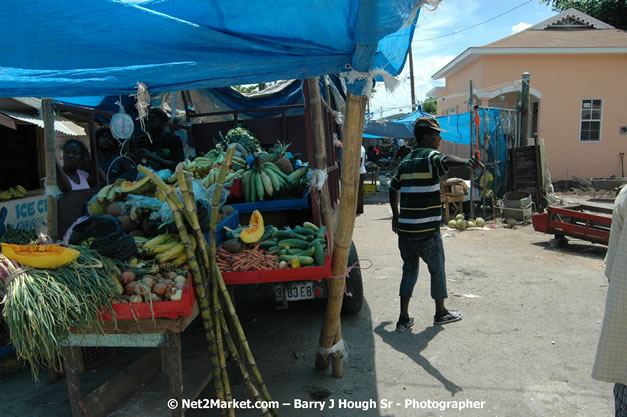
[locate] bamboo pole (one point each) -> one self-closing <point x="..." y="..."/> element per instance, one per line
<point x="354" y="124"/>
<point x="47" y="110"/>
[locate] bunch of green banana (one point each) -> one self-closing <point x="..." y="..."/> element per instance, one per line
<point x="214" y="156"/>
<point x="11" y="193"/>
<point x="238" y="163"/>
<point x="212" y="176"/>
<point x="266" y="179"/>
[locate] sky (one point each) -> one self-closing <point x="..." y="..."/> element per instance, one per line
<point x="431" y="55"/>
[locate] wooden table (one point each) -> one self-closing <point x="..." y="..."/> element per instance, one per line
<point x="164" y="334"/>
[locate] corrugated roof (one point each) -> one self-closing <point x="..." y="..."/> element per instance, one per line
<point x="61" y="125"/>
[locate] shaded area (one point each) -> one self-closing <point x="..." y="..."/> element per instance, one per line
<point x="412" y="345"/>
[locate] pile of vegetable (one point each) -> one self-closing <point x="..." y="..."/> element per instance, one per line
<point x="18" y="236"/>
<point x="256" y="247"/>
<point x="138" y="285"/>
<point x="461" y="223"/>
<point x="42" y="305"/>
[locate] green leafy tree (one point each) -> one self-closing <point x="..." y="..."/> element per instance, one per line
<point x="430" y="105"/>
<point x="613" y="12"/>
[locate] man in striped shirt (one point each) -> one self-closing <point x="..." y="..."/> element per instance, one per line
<point x="418" y="221"/>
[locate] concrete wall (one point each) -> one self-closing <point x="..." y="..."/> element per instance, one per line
<point x="563" y="81"/>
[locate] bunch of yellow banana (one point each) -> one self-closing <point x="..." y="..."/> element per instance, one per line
<point x="166" y="248"/>
<point x="11" y="193"/>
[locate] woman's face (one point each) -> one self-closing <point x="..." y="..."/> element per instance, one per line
<point x="105" y="142"/>
<point x="72" y="156"/>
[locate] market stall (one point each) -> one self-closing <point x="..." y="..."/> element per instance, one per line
<point x="359" y="37"/>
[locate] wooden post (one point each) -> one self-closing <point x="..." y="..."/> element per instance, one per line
<point x="94" y="148"/>
<point x="411" y="80"/>
<point x="47" y="109"/>
<point x="353" y="129"/>
<point x="320" y="154"/>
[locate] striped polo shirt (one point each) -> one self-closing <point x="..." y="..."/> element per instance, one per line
<point x="418" y="180"/>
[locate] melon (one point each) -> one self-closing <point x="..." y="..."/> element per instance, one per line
<point x="471" y="224"/>
<point x="459" y="217"/>
<point x="480" y="222"/>
<point x="462" y="224"/>
<point x="452" y="224"/>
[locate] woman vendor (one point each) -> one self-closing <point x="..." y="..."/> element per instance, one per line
<point x="71" y="177"/>
<point x="110" y="162"/>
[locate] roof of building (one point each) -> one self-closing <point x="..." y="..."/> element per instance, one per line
<point x="568" y="32"/>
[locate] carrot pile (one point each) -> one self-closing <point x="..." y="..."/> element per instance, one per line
<point x="249" y="259"/>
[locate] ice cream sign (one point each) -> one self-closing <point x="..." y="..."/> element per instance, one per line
<point x="28" y="213"/>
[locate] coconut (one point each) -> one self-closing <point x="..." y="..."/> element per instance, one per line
<point x="480" y="222"/>
<point x="452" y="224"/>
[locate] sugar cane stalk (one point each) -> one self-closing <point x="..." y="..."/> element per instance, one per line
<point x="186" y="186"/>
<point x="220" y="280"/>
<point x="199" y="280"/>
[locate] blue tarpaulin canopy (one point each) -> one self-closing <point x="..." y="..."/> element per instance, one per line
<point x="399" y="128"/>
<point x="102" y="48"/>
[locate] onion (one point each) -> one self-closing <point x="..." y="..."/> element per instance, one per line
<point x="130" y="287"/>
<point x="136" y="299"/>
<point x="154" y="297"/>
<point x="160" y="289"/>
<point x="170" y="275"/>
<point x="177" y="296"/>
<point x="180" y="279"/>
<point x="149" y="280"/>
<point x="127" y="276"/>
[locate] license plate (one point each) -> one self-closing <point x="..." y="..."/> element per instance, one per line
<point x="294" y="291"/>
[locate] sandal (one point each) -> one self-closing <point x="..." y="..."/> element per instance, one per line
<point x="402" y="326"/>
<point x="447" y="316"/>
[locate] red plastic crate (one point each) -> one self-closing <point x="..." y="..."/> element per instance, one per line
<point x="161" y="309"/>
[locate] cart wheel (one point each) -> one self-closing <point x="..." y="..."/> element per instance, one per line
<point x="354" y="285"/>
<point x="560" y="240"/>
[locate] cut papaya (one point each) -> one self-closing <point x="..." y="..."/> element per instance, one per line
<point x="138" y="187"/>
<point x="40" y="256"/>
<point x="255" y="229"/>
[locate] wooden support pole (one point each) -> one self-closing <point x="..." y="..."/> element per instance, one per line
<point x="47" y="109"/>
<point x="353" y="129"/>
<point x="524" y="109"/>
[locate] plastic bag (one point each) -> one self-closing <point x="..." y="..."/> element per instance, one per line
<point x="108" y="236"/>
<point x="140" y="201"/>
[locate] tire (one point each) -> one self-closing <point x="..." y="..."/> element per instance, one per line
<point x="354" y="285"/>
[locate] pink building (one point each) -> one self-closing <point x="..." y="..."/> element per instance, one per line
<point x="578" y="104"/>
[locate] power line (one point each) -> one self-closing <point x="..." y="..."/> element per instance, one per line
<point x="473" y="26"/>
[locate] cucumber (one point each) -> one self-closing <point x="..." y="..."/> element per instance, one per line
<point x="294" y="243"/>
<point x="311" y="226"/>
<point x="318" y="252"/>
<point x="283" y="252"/>
<point x="268" y="243"/>
<point x="300" y="252"/>
<point x="304" y="260"/>
<point x="274" y="248"/>
<point x="304" y="231"/>
<point x="286" y="234"/>
<point x="322" y="233"/>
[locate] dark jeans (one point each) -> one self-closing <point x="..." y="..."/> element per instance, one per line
<point x="620" y="400"/>
<point x="360" y="195"/>
<point x="431" y="251"/>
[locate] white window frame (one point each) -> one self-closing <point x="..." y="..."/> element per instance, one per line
<point x="581" y="119"/>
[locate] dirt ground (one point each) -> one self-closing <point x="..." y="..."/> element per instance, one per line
<point x="525" y="347"/>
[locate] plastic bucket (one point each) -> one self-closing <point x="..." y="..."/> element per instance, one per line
<point x="517" y="199"/>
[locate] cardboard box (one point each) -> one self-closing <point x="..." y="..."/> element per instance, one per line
<point x="370" y="189"/>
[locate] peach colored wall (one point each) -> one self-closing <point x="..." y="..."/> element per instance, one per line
<point x="563" y="81"/>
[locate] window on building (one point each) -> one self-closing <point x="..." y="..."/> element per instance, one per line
<point x="450" y="110"/>
<point x="591" y="112"/>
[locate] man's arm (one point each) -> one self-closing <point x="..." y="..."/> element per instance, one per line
<point x="452" y="161"/>
<point x="394" y="198"/>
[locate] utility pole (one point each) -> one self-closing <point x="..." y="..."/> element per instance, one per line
<point x="411" y="78"/>
<point x="472" y="153"/>
<point x="524" y="109"/>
